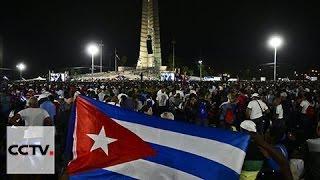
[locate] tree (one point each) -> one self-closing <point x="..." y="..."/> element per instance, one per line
<point x="123" y="61"/>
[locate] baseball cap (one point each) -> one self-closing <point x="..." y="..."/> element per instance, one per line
<point x="255" y="95"/>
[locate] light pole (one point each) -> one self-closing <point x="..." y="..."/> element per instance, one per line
<point x="116" y="58"/>
<point x="100" y="45"/>
<point x="173" y="63"/>
<point x="275" y="42"/>
<point x="21" y="67"/>
<point x="92" y="50"/>
<point x="200" y="68"/>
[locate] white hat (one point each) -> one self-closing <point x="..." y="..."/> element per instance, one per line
<point x="193" y="92"/>
<point x="248" y="125"/>
<point x="307" y="90"/>
<point x="44" y="95"/>
<point x="283" y="94"/>
<point x="167" y="115"/>
<point x="255" y="95"/>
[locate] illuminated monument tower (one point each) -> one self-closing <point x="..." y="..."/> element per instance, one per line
<point x="150" y="51"/>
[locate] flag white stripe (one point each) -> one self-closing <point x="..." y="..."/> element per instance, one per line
<point x="142" y="169"/>
<point x="74" y="146"/>
<point x="223" y="153"/>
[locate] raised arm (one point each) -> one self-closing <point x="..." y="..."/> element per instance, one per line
<point x="279" y="158"/>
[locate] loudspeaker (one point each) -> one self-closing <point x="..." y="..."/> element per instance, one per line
<point x="149" y="45"/>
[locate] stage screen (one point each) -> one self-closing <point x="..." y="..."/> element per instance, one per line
<point x="167" y="76"/>
<point x="58" y="77"/>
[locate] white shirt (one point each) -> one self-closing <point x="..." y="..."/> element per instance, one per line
<point x="255" y="108"/>
<point x="279" y="111"/>
<point x="304" y="104"/>
<point x="60" y="93"/>
<point x="162" y="99"/>
<point x="177" y="92"/>
<point x="101" y="96"/>
<point x="33" y="116"/>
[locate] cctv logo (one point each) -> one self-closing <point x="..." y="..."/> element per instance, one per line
<point x="25" y="149"/>
<point x="30" y="150"/>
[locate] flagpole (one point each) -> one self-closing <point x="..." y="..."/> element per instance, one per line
<point x="115" y="60"/>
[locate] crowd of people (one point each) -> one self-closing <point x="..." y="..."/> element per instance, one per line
<point x="282" y="117"/>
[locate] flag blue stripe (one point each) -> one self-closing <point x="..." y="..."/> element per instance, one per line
<point x="191" y="164"/>
<point x="69" y="140"/>
<point x="99" y="174"/>
<point x="236" y="139"/>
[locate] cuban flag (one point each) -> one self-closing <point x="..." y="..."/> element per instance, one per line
<point x="109" y="142"/>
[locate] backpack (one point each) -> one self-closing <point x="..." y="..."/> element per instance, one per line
<point x="229" y="116"/>
<point x="310" y="112"/>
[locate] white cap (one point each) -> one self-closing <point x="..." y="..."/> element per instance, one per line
<point x="167" y="115"/>
<point x="193" y="92"/>
<point x="248" y="125"/>
<point x="283" y="94"/>
<point x="255" y="95"/>
<point x="44" y="95"/>
<point x="307" y="90"/>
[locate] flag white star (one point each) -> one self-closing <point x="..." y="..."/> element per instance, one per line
<point x="101" y="141"/>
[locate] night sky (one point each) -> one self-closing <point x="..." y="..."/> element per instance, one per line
<point x="227" y="35"/>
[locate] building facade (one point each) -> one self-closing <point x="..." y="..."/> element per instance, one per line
<point x="150" y="50"/>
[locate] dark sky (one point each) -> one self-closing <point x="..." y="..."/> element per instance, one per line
<point x="228" y="35"/>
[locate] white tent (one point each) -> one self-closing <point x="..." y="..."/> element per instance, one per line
<point x="40" y="79"/>
<point x="37" y="79"/>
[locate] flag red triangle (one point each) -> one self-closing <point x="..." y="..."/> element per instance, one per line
<point x="89" y="120"/>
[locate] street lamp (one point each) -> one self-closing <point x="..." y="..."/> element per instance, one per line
<point x="275" y="42"/>
<point x="173" y="62"/>
<point x="200" y="67"/>
<point x="92" y="50"/>
<point x="21" y="67"/>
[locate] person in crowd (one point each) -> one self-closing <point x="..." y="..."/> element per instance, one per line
<point x="174" y="102"/>
<point x="101" y="93"/>
<point x="162" y="99"/>
<point x="278" y="121"/>
<point x="47" y="105"/>
<point x="32" y="116"/>
<point x="127" y="103"/>
<point x="242" y="102"/>
<point x="264" y="160"/>
<point x="256" y="110"/>
<point x="229" y="112"/>
<point x="191" y="108"/>
<point x="306" y="110"/>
